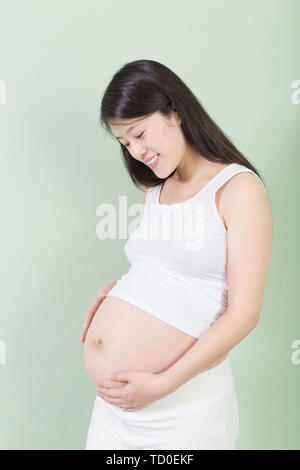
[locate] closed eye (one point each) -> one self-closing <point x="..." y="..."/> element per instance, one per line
<point x="138" y="137"/>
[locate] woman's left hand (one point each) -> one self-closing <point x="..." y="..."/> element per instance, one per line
<point x="140" y="389"/>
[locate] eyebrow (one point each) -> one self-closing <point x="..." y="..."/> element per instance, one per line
<point x="130" y="129"/>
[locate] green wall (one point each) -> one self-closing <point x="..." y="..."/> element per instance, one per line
<point x="240" y="58"/>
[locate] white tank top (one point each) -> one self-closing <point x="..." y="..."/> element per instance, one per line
<point x="178" y="258"/>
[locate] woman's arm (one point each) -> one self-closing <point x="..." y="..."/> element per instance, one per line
<point x="249" y="223"/>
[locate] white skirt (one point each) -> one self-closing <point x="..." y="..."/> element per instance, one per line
<point x="201" y="414"/>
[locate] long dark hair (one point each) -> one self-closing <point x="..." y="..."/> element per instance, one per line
<point x="143" y="87"/>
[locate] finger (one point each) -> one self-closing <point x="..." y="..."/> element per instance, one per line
<point x="84" y="331"/>
<point x="97" y="301"/>
<point x="90" y="314"/>
<point x="101" y="296"/>
<point x="110" y="396"/>
<point x="112" y="392"/>
<point x="95" y="304"/>
<point x="83" y="335"/>
<point x="113" y="401"/>
<point x="85" y="328"/>
<point x="131" y="409"/>
<point x="93" y="308"/>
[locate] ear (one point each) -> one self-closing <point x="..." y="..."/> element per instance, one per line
<point x="176" y="115"/>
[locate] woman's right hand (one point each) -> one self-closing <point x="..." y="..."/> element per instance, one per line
<point x="97" y="301"/>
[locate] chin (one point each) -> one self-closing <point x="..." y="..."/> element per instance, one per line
<point x="161" y="174"/>
<point x="170" y="173"/>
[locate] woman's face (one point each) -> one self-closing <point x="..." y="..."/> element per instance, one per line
<point x="151" y="135"/>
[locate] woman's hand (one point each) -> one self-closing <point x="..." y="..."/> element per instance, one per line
<point x="139" y="390"/>
<point x="97" y="301"/>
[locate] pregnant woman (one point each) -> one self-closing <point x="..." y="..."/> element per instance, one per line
<point x="157" y="341"/>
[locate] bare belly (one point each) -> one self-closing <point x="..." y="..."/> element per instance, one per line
<point x="122" y="336"/>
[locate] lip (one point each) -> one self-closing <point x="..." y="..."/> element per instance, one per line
<point x="150" y="158"/>
<point x="154" y="163"/>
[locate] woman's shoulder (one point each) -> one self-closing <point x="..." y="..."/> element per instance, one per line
<point x="244" y="182"/>
<point x="244" y="195"/>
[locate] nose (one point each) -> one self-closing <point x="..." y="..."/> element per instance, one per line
<point x="139" y="152"/>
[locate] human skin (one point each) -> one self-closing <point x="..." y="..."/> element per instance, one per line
<point x="247" y="217"/>
<point x="122" y="336"/>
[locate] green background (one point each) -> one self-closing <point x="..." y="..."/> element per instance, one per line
<point x="240" y="58"/>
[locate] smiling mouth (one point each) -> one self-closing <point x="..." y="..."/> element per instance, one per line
<point x="153" y="159"/>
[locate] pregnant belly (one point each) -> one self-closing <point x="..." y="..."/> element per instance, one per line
<point x="122" y="336"/>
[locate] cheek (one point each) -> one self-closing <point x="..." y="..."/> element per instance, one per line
<point x="170" y="144"/>
<point x="175" y="142"/>
<point x="165" y="146"/>
<point x="175" y="150"/>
